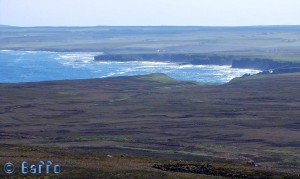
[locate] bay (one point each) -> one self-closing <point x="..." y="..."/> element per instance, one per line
<point x="34" y="66"/>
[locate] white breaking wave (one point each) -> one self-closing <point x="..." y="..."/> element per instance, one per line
<point x="76" y="58"/>
<point x="154" y="63"/>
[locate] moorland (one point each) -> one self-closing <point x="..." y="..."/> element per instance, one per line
<point x="249" y="119"/>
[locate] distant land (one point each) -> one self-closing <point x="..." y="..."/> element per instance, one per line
<point x="276" y="42"/>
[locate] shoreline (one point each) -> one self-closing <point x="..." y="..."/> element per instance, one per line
<point x="262" y="64"/>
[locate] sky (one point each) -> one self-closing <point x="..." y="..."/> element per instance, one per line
<point x="149" y="12"/>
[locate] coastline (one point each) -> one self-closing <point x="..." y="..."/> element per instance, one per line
<point x="84" y="64"/>
<point x="262" y="64"/>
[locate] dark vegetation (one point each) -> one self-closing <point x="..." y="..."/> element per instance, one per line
<point x="251" y="121"/>
<point x="208" y="169"/>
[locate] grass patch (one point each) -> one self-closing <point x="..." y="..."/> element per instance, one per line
<point x="157" y="77"/>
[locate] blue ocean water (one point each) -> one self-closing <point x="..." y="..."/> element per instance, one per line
<point x="32" y="66"/>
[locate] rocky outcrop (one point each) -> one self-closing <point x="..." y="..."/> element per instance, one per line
<point x="262" y="64"/>
<point x="208" y="169"/>
<point x="280" y="71"/>
<point x="286" y="70"/>
<point x="202" y="59"/>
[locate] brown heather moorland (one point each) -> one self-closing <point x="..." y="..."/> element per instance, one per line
<point x="121" y="127"/>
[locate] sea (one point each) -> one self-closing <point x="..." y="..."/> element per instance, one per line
<point x="35" y="66"/>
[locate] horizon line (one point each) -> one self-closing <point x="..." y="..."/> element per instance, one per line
<point x="275" y="25"/>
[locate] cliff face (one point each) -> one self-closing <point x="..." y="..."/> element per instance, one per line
<point x="286" y="70"/>
<point x="262" y="64"/>
<point x="201" y="59"/>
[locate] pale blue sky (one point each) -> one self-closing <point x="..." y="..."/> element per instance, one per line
<point x="149" y="12"/>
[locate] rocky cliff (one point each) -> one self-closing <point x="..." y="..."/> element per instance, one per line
<point x="201" y="59"/>
<point x="262" y="64"/>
